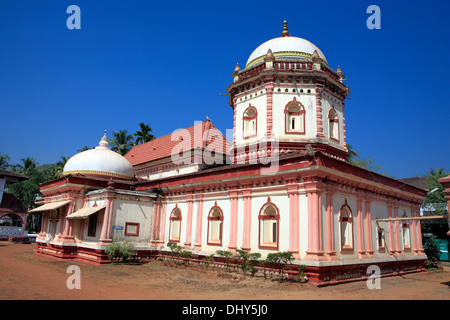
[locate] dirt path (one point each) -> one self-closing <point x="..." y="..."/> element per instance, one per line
<point x="25" y="275"/>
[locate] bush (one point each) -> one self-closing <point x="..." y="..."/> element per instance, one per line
<point x="431" y="249"/>
<point x="121" y="251"/>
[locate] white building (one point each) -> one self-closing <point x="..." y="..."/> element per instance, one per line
<point x="283" y="184"/>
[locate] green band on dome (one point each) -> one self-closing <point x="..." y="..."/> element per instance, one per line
<point x="283" y="54"/>
<point x="101" y="173"/>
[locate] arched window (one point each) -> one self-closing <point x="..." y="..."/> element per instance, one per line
<point x="269" y="226"/>
<point x="215" y="226"/>
<point x="249" y="121"/>
<point x="346" y="221"/>
<point x="406" y="233"/>
<point x="334" y="125"/>
<point x="175" y="225"/>
<point x="11" y="220"/>
<point x="295" y="118"/>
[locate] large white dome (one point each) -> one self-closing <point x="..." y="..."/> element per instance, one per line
<point x="284" y="46"/>
<point x="100" y="161"/>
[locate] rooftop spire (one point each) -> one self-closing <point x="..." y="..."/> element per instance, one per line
<point x="285" y="32"/>
<point x="103" y="142"/>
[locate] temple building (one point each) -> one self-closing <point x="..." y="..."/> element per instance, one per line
<point x="13" y="214"/>
<point x="281" y="184"/>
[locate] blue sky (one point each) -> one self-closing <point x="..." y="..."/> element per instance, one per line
<point x="167" y="63"/>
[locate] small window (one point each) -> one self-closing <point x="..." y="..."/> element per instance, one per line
<point x="346" y="221"/>
<point x="295" y="118"/>
<point x="381" y="245"/>
<point x="249" y="122"/>
<point x="215" y="226"/>
<point x="132" y="229"/>
<point x="175" y="225"/>
<point x="406" y="233"/>
<point x="269" y="227"/>
<point x="334" y="125"/>
<point x="92" y="226"/>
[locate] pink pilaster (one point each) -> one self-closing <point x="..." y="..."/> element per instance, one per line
<point x="162" y="234"/>
<point x="414" y="234"/>
<point x="156" y="222"/>
<point x="314" y="251"/>
<point x="390" y="230"/>
<point x="198" y="228"/>
<point x="331" y="251"/>
<point x="269" y="101"/>
<point x="292" y="190"/>
<point x="368" y="233"/>
<point x="398" y="247"/>
<point x="105" y="234"/>
<point x="233" y="194"/>
<point x="67" y="236"/>
<point x="190" y="205"/>
<point x="247" y="194"/>
<point x="319" y="91"/>
<point x="360" y="226"/>
<point x="419" y="232"/>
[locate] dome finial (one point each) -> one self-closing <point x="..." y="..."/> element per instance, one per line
<point x="103" y="141"/>
<point x="285" y="32"/>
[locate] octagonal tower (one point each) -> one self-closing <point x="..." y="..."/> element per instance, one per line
<point x="287" y="97"/>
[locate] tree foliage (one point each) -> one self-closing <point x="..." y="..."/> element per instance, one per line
<point x="122" y="142"/>
<point x="143" y="135"/>
<point x="368" y="163"/>
<point x="432" y="183"/>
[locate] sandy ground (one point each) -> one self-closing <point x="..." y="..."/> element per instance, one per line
<point x="25" y="275"/>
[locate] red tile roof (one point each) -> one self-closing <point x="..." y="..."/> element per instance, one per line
<point x="202" y="135"/>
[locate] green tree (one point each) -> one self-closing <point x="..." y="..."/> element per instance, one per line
<point x="27" y="166"/>
<point x="143" y="135"/>
<point x="4" y="161"/>
<point x="27" y="190"/>
<point x="352" y="154"/>
<point x="122" y="142"/>
<point x="432" y="183"/>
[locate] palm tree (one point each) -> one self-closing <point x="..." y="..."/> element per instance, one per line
<point x="4" y="158"/>
<point x="143" y="135"/>
<point x="122" y="142"/>
<point x="352" y="154"/>
<point x="28" y="164"/>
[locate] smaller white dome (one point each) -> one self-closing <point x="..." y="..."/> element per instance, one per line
<point x="100" y="161"/>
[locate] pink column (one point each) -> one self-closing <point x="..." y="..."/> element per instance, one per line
<point x="331" y="251"/>
<point x="233" y="219"/>
<point x="319" y="90"/>
<point x="390" y="229"/>
<point x="414" y="234"/>
<point x="162" y="235"/>
<point x="419" y="231"/>
<point x="360" y="226"/>
<point x="198" y="231"/>
<point x="67" y="236"/>
<point x="156" y="222"/>
<point x="314" y="251"/>
<point x="44" y="226"/>
<point x="247" y="194"/>
<point x="369" y="239"/>
<point x="190" y="203"/>
<point x="292" y="190"/>
<point x="398" y="247"/>
<point x="269" y="104"/>
<point x="105" y="234"/>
